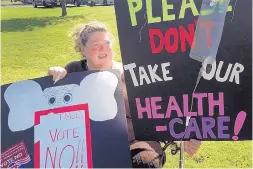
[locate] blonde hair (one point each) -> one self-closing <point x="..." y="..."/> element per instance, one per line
<point x="82" y="32"/>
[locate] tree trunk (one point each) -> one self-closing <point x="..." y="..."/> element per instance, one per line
<point x="63" y="8"/>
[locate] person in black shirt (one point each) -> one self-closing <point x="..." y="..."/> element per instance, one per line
<point x="94" y="42"/>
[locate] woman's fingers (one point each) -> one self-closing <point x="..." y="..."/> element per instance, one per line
<point x="57" y="73"/>
<point x="64" y="73"/>
<point x="50" y="71"/>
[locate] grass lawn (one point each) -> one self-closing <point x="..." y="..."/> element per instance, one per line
<point x="10" y="3"/>
<point x="35" y="39"/>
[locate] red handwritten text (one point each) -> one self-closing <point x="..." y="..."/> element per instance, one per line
<point x="63" y="134"/>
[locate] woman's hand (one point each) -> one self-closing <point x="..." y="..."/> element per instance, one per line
<point x="192" y="146"/>
<point x="57" y="72"/>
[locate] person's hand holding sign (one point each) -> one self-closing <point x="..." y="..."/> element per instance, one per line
<point x="57" y="72"/>
<point x="192" y="146"/>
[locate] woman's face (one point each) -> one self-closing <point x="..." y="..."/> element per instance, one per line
<point x="98" y="51"/>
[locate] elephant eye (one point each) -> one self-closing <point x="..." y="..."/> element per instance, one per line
<point x="67" y="97"/>
<point x="51" y="100"/>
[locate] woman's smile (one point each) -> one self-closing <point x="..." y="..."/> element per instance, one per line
<point x="102" y="56"/>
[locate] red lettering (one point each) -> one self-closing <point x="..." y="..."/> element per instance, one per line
<point x="67" y="131"/>
<point x="67" y="115"/>
<point x="52" y="161"/>
<point x="193" y="46"/>
<point x="185" y="36"/>
<point x="73" y="156"/>
<point x="61" y="138"/>
<point x="152" y="33"/>
<point x="74" y="132"/>
<point x="175" y="37"/>
<point x="171" y="32"/>
<point x="60" y="135"/>
<point x="53" y="139"/>
<point x="207" y="26"/>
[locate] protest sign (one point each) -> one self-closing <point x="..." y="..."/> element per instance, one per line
<point x="78" y="122"/>
<point x="188" y="63"/>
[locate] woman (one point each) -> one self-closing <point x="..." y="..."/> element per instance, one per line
<point x="94" y="42"/>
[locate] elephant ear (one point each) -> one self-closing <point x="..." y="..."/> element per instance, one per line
<point x="98" y="89"/>
<point x="23" y="99"/>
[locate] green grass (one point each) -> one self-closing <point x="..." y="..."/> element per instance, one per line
<point x="35" y="39"/>
<point x="10" y="3"/>
<point x="217" y="155"/>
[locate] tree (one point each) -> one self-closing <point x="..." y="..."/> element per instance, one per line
<point x="63" y="8"/>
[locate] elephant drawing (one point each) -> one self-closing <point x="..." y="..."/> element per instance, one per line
<point x="26" y="97"/>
